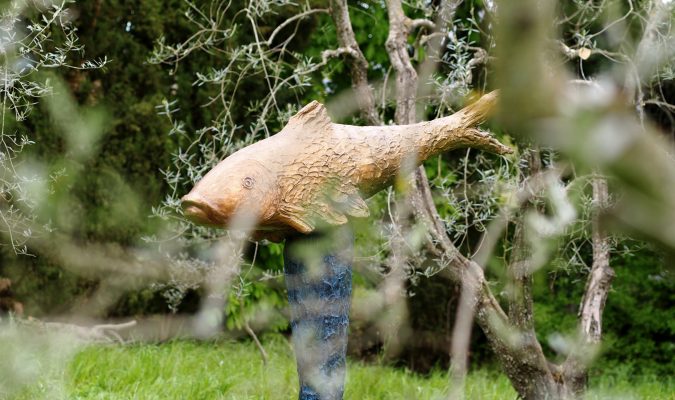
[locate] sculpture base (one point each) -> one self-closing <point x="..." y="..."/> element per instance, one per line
<point x="319" y="282"/>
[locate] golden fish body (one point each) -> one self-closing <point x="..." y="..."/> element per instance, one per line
<point x="315" y="171"/>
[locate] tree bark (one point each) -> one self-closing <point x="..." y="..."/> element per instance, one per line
<point x="358" y="66"/>
<point x="575" y="368"/>
<point x="406" y="76"/>
<point x="531" y="375"/>
<point x="520" y="267"/>
<point x="514" y="344"/>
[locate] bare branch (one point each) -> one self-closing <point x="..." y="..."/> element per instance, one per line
<point x="520" y="267"/>
<point x="475" y="292"/>
<point x="406" y="76"/>
<point x="105" y="333"/>
<point x="292" y="19"/>
<point x="340" y="51"/>
<point x="421" y="23"/>
<point x="584" y="53"/>
<point x="480" y="57"/>
<point x="426" y="38"/>
<point x="597" y="288"/>
<point x="251" y="333"/>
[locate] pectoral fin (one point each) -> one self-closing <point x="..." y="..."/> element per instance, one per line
<point x="326" y="212"/>
<point x="297" y="218"/>
<point x="335" y="210"/>
<point x="305" y="220"/>
<point x="356" y="206"/>
<point x="347" y="199"/>
<point x="331" y="207"/>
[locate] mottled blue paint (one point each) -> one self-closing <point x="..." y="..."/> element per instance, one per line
<point x="319" y="282"/>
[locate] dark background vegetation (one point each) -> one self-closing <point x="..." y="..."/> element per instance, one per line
<point x="639" y="321"/>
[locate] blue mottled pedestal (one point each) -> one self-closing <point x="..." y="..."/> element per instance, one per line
<point x="319" y="282"/>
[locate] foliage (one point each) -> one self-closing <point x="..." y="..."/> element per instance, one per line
<point x="639" y="318"/>
<point x="111" y="201"/>
<point x="36" y="37"/>
<point x="636" y="335"/>
<point x="259" y="293"/>
<point x="198" y="100"/>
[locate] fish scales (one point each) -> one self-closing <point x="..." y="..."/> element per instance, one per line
<point x="317" y="172"/>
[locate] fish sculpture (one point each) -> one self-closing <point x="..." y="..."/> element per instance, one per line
<point x="314" y="173"/>
<point x="317" y="172"/>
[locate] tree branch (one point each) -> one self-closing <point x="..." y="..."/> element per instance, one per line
<point x="467" y="273"/>
<point x="584" y="53"/>
<point x="520" y="267"/>
<point x="292" y="19"/>
<point x="421" y="23"/>
<point x="104" y="333"/>
<point x="251" y="333"/>
<point x="597" y="287"/>
<point x="475" y="291"/>
<point x="340" y="51"/>
<point x="406" y="76"/>
<point x="358" y="66"/>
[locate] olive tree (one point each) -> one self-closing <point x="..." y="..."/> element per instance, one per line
<point x="575" y="79"/>
<point x="36" y="37"/>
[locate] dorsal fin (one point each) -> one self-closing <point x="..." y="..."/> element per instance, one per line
<point x="312" y="115"/>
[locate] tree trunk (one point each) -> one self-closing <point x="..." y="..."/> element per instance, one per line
<point x="524" y="362"/>
<point x="358" y="66"/>
<point x="511" y="336"/>
<point x="575" y="368"/>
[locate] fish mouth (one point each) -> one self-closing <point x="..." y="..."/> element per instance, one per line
<point x="198" y="211"/>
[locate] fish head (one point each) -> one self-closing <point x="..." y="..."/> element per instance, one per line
<point x="237" y="186"/>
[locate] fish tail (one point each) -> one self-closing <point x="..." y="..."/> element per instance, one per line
<point x="459" y="130"/>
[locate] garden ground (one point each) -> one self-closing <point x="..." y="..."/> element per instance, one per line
<point x="234" y="370"/>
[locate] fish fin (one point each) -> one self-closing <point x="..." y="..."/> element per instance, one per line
<point x="305" y="220"/>
<point x="313" y="114"/>
<point x="329" y="214"/>
<point x="356" y="206"/>
<point x="297" y="218"/>
<point x="348" y="200"/>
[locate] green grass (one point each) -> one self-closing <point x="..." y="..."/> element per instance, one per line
<point x="234" y="370"/>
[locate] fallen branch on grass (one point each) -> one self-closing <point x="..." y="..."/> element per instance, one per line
<point x="103" y="333"/>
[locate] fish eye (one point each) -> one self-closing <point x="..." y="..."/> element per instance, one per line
<point x="248" y="182"/>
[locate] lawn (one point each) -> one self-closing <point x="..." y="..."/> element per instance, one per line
<point x="234" y="370"/>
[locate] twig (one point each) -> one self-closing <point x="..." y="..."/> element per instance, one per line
<point x="251" y="333"/>
<point x="296" y="17"/>
<point x="583" y="53"/>
<point x="340" y="51"/>
<point x="104" y="333"/>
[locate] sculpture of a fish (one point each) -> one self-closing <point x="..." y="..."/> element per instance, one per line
<point x="315" y="171"/>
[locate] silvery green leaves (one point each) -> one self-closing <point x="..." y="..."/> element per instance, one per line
<point x="35" y="37"/>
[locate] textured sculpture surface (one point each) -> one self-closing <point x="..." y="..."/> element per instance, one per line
<point x="315" y="171"/>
